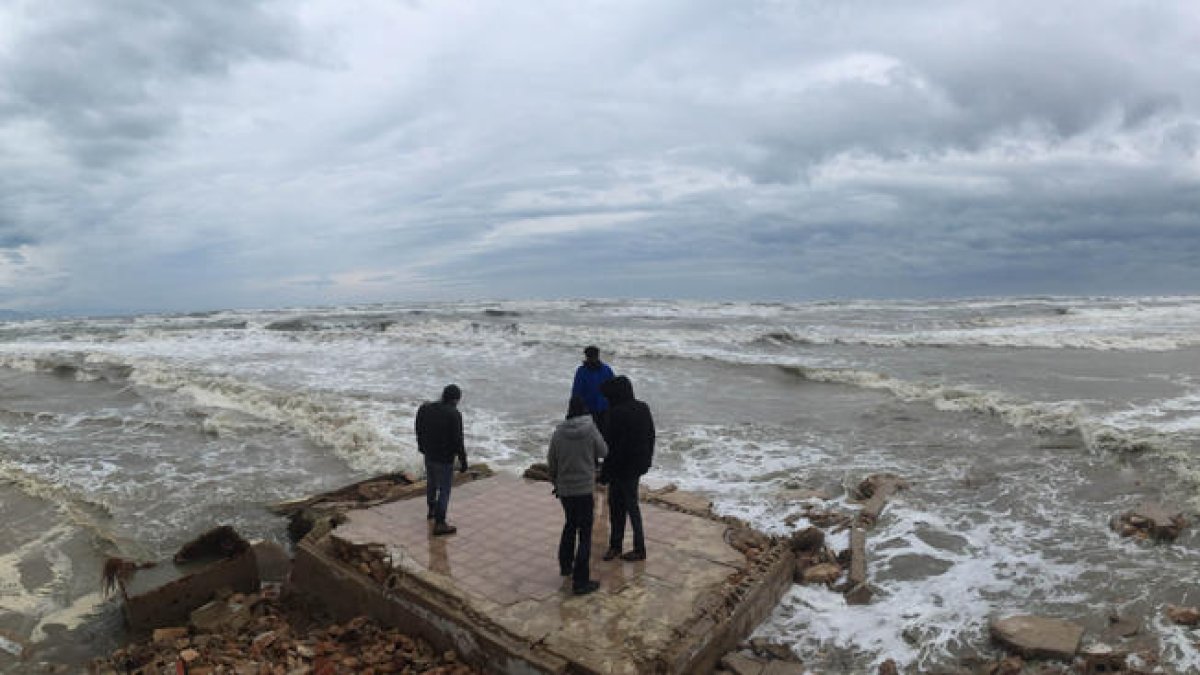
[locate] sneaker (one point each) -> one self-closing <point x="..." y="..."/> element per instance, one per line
<point x="589" y="587"/>
<point x="612" y="553"/>
<point x="444" y="528"/>
<point x="633" y="556"/>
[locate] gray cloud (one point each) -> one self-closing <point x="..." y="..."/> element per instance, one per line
<point x="103" y="76"/>
<point x="157" y="154"/>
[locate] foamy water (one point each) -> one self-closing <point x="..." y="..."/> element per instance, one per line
<point x="1023" y="424"/>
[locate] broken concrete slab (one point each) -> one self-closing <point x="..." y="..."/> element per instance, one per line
<point x="272" y="560"/>
<point x="323" y="511"/>
<point x="166" y="594"/>
<point x="494" y="593"/>
<point x="821" y="573"/>
<point x="1183" y="616"/>
<point x="217" y="615"/>
<point x="1152" y="521"/>
<point x="1037" y="637"/>
<point x="1102" y="658"/>
<point x="858" y="556"/>
<point x="874" y="492"/>
<point x="859" y="594"/>
<point x="680" y="500"/>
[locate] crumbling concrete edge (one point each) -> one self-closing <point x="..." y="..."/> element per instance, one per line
<point x="719" y="630"/>
<point x="429" y="614"/>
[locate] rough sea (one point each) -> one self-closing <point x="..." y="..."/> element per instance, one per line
<point x="1022" y="424"/>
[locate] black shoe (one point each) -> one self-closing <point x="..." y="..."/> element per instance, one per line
<point x="634" y="556"/>
<point x="612" y="553"/>
<point x="589" y="587"/>
<point x="444" y="528"/>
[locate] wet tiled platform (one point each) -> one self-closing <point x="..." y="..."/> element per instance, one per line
<point x="499" y="575"/>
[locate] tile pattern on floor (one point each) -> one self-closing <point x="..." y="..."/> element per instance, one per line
<point x="505" y="554"/>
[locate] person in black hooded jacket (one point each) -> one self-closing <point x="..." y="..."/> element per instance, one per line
<point x="630" y="454"/>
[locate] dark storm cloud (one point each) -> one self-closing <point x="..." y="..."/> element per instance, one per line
<point x="190" y="155"/>
<point x="102" y="75"/>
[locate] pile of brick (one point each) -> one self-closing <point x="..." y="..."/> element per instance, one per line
<point x="372" y="560"/>
<point x="257" y="634"/>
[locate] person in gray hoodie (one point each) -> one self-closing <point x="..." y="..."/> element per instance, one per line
<point x="575" y="450"/>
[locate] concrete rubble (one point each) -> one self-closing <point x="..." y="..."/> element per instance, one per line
<point x="241" y="608"/>
<point x="261" y="634"/>
<point x="874" y="492"/>
<point x="1183" y="616"/>
<point x="163" y="594"/>
<point x="1035" y="637"/>
<point x="1150" y="521"/>
<point x="494" y="592"/>
<point x="761" y="657"/>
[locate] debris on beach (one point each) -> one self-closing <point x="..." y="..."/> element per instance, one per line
<point x="261" y="634"/>
<point x="319" y="514"/>
<point x="815" y="564"/>
<point x="538" y="471"/>
<point x="1150" y="521"/>
<point x="1035" y="637"/>
<point x="220" y="542"/>
<point x="875" y="491"/>
<point x="1183" y="616"/>
<point x="154" y="596"/>
<point x="760" y="656"/>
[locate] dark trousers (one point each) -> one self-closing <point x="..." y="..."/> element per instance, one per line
<point x="622" y="501"/>
<point x="601" y="421"/>
<point x="438" y="477"/>
<point x="579" y="510"/>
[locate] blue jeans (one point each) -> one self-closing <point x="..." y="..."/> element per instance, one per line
<point x="438" y="477"/>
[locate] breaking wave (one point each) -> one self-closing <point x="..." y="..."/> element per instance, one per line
<point x="1058" y="418"/>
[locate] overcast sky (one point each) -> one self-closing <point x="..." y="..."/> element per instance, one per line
<point x="198" y="155"/>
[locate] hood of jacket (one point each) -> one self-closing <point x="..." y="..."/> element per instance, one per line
<point x="575" y="428"/>
<point x="617" y="390"/>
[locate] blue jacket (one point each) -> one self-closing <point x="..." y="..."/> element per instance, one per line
<point x="587" y="386"/>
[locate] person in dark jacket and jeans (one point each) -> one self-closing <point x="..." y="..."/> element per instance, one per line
<point x="589" y="377"/>
<point x="630" y="453"/>
<point x="440" y="439"/>
<point x="575" y="448"/>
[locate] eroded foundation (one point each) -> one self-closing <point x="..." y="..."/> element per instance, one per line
<point x="492" y="592"/>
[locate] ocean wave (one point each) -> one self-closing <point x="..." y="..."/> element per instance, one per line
<point x="979" y="332"/>
<point x="90" y="514"/>
<point x="1056" y="418"/>
<point x="321" y="420"/>
<point x="71" y="365"/>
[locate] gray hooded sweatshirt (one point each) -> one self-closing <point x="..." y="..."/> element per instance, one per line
<point x="575" y="448"/>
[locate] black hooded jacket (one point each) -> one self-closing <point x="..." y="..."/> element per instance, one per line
<point x="630" y="431"/>
<point x="440" y="433"/>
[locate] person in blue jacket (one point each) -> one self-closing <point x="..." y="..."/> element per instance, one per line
<point x="588" y="377"/>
